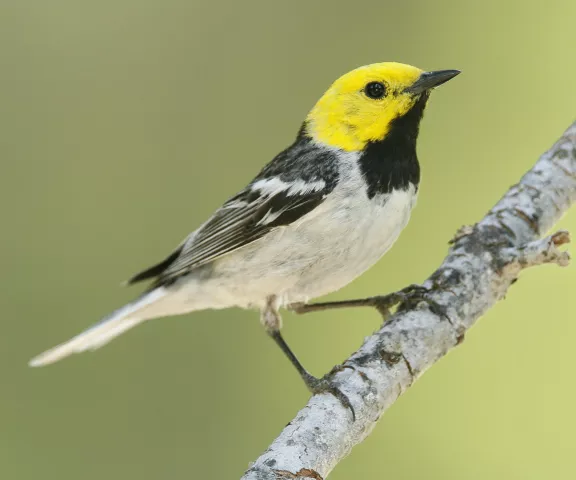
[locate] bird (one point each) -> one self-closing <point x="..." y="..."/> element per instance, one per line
<point x="317" y="216"/>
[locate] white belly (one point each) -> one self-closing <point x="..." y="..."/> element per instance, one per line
<point x="366" y="231"/>
<point x="320" y="253"/>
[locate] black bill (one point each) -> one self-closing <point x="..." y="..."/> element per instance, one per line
<point x="430" y="80"/>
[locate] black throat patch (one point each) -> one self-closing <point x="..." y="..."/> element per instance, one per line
<point x="391" y="163"/>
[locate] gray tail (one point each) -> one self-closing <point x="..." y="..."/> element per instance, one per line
<point x="104" y="331"/>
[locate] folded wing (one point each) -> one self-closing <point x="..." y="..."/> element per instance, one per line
<point x="245" y="218"/>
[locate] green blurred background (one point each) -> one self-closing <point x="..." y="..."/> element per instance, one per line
<point x="125" y="124"/>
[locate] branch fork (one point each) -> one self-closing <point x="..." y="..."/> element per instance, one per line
<point x="540" y="252"/>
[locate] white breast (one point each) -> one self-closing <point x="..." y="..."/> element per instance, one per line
<point x="356" y="233"/>
<point x="318" y="254"/>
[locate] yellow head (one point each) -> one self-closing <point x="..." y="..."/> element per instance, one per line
<point x="361" y="106"/>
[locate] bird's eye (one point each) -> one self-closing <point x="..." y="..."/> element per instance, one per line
<point x="375" y="90"/>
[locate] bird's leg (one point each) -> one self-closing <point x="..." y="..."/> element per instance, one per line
<point x="382" y="303"/>
<point x="272" y="322"/>
<point x="409" y="296"/>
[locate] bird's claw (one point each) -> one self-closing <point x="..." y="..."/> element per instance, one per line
<point x="413" y="295"/>
<point x="326" y="385"/>
<point x="406" y="298"/>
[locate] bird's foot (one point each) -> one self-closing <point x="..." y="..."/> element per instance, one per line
<point x="326" y="385"/>
<point x="406" y="298"/>
<point x="413" y="295"/>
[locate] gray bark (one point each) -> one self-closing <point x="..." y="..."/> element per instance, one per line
<point x="484" y="260"/>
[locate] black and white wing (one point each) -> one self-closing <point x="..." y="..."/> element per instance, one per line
<point x="242" y="220"/>
<point x="276" y="198"/>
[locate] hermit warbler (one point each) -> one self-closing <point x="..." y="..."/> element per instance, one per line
<point x="317" y="216"/>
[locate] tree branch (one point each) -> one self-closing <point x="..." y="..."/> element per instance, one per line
<point x="482" y="263"/>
